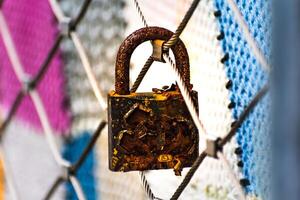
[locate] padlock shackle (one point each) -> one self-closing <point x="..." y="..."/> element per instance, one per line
<point x="135" y="39"/>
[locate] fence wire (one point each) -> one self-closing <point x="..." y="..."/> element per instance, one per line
<point x="191" y="107"/>
<point x="68" y="31"/>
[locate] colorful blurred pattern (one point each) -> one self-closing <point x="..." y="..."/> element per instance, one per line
<point x="224" y="71"/>
<point x="33" y="29"/>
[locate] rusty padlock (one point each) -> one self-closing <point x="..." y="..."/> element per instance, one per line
<point x="151" y="130"/>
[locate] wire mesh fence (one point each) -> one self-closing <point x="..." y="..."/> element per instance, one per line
<point x="211" y="146"/>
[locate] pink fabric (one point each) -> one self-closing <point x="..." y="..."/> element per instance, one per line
<point x="34" y="28"/>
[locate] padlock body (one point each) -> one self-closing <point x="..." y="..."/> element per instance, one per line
<point x="151" y="131"/>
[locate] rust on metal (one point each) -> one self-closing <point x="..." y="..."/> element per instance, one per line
<point x="135" y="39"/>
<point x="152" y="130"/>
<point x="158" y="51"/>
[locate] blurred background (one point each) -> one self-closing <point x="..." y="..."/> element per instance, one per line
<point x="236" y="47"/>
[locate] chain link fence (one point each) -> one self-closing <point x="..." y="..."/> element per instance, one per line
<point x="68" y="27"/>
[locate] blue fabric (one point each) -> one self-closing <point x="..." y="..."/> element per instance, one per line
<point x="248" y="77"/>
<point x="85" y="174"/>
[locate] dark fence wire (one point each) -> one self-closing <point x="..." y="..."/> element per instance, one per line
<point x="71" y="171"/>
<point x="32" y="83"/>
<point x="187" y="96"/>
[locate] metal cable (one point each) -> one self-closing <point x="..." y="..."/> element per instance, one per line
<point x="57" y="10"/>
<point x="13" y="109"/>
<point x="146" y="186"/>
<point x="80" y="50"/>
<point x="29" y="86"/>
<point x="40" y="108"/>
<point x="9" y="45"/>
<point x="226" y="139"/>
<point x="140" y="77"/>
<point x="187" y="97"/>
<point x="72" y="170"/>
<point x="232" y="176"/>
<point x="172" y="41"/>
<point x="42" y="114"/>
<point x="45" y="65"/>
<point x="142" y="74"/>
<point x="249" y="38"/>
<point x="191" y="106"/>
<point x="137" y="6"/>
<point x="81" y="13"/>
<point x="260" y="94"/>
<point x="54" y="187"/>
<point x="18" y="69"/>
<point x="88" y="69"/>
<point x="77" y="187"/>
<point x="88" y="148"/>
<point x="183" y="88"/>
<point x="188" y="176"/>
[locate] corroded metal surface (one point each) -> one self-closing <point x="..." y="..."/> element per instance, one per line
<point x="151" y="131"/>
<point x="135" y="39"/>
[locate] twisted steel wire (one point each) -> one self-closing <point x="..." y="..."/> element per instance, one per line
<point x="13" y="109"/>
<point x="79" y="47"/>
<point x="187" y="97"/>
<point x="77" y="187"/>
<point x="54" y="187"/>
<point x="144" y="70"/>
<point x="81" y="14"/>
<point x="260" y="94"/>
<point x="184" y="89"/>
<point x="40" y="108"/>
<point x="248" y="36"/>
<point x="23" y="91"/>
<point x="172" y="41"/>
<point x="139" y="79"/>
<point x="88" y="69"/>
<point x="45" y="65"/>
<point x="71" y="171"/>
<point x="57" y="11"/>
<point x="22" y="77"/>
<point x="138" y="8"/>
<point x="222" y="142"/>
<point x="146" y="186"/>
<point x="30" y="85"/>
<point x="232" y="176"/>
<point x="88" y="148"/>
<point x="142" y="74"/>
<point x="188" y="176"/>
